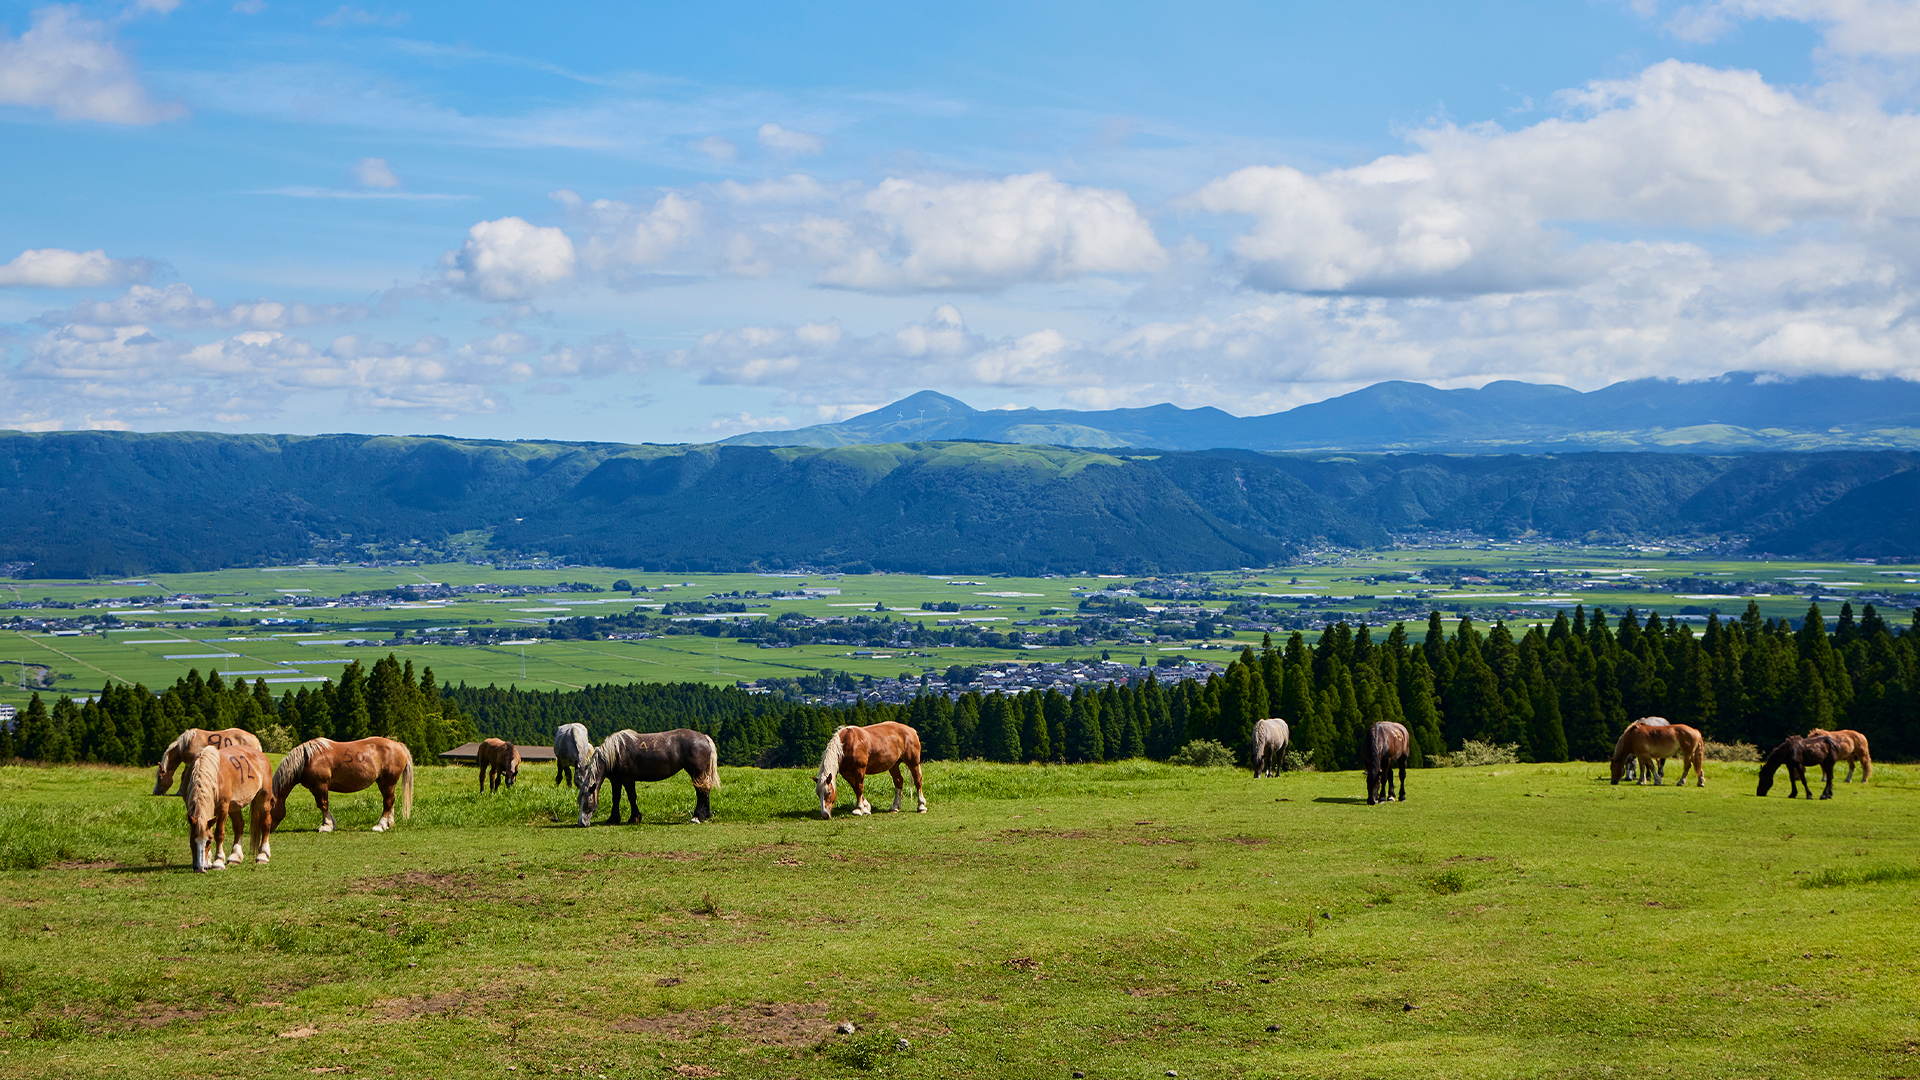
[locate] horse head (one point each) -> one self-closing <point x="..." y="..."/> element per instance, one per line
<point x="163" y="777"/>
<point x="513" y="769"/>
<point x="823" y="785"/>
<point x="586" y="780"/>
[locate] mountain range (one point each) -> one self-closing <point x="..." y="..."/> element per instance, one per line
<point x="1737" y="412"/>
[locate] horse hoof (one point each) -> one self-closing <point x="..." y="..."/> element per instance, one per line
<point x="324" y="828"/>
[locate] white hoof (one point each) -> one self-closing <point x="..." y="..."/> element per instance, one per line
<point x="922" y="810"/>
<point x="261" y="858"/>
<point x="218" y="864"/>
<point x="696" y="821"/>
<point x="325" y="827"/>
<point x="382" y="825"/>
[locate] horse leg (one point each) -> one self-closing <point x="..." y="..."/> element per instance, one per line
<point x="702" y="806"/>
<point x="613" y="790"/>
<point x="326" y="809"/>
<point x="919" y="789"/>
<point x="859" y="780"/>
<point x="1828" y="769"/>
<point x="633" y="804"/>
<point x="239" y="833"/>
<point x="1403" y="779"/>
<point x="386" y="806"/>
<point x="899" y="786"/>
<point x="218" y="858"/>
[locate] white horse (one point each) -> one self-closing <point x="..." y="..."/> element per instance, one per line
<point x="572" y="749"/>
<point x="1270" y="737"/>
<point x="1660" y="770"/>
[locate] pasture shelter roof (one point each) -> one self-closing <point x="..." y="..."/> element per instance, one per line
<point x="468" y="753"/>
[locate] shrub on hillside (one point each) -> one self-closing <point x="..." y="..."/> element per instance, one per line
<point x="1202" y="752"/>
<point x="1473" y="752"/>
<point x="275" y="739"/>
<point x="1300" y="761"/>
<point x="1730" y="751"/>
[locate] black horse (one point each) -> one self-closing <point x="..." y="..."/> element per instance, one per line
<point x="1796" y="754"/>
<point x="628" y="756"/>
<point x="1382" y="746"/>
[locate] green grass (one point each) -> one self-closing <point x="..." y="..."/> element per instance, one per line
<point x="1124" y="920"/>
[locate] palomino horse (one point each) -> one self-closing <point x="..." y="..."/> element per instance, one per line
<point x="1382" y="746"/>
<point x="571" y="749"/>
<point x="1660" y="767"/>
<point x="1796" y="754"/>
<point x="1646" y="743"/>
<point x="322" y="766"/>
<point x="189" y="744"/>
<point x="859" y="752"/>
<point x="630" y="755"/>
<point x="499" y="760"/>
<point x="1853" y="747"/>
<point x="222" y="783"/>
<point x="1269" y="746"/>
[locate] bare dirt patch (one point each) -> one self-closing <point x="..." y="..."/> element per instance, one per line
<point x="671" y="856"/>
<point x="76" y="864"/>
<point x="409" y="1007"/>
<point x="783" y="1023"/>
<point x="697" y="1070"/>
<point x="422" y="881"/>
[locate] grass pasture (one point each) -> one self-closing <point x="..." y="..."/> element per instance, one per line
<point x="1123" y="920"/>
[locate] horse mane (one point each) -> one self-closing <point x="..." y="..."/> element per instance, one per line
<point x="294" y="766"/>
<point x="177" y="752"/>
<point x="830" y="761"/>
<point x="203" y="790"/>
<point x="615" y="748"/>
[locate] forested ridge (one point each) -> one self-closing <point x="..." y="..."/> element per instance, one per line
<point x="89" y="503"/>
<point x="1554" y="693"/>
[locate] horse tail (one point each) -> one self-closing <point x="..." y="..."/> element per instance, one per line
<point x="293" y="767"/>
<point x="709" y="776"/>
<point x="406" y="785"/>
<point x="203" y="787"/>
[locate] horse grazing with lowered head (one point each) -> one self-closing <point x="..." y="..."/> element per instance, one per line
<point x="222" y="783"/>
<point x="1853" y="748"/>
<point x="859" y="752"/>
<point x="1660" y="767"/>
<point x="499" y="760"/>
<point x="1796" y="754"/>
<point x="1382" y="746"/>
<point x="323" y="766"/>
<point x="628" y="756"/>
<point x="1269" y="746"/>
<point x="571" y="749"/>
<point x="187" y="746"/>
<point x="1647" y="743"/>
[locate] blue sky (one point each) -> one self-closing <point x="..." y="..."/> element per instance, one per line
<point x="678" y="222"/>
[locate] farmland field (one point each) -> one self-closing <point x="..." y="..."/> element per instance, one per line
<point x="1123" y="920"/>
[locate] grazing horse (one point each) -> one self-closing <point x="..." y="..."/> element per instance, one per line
<point x="630" y="755"/>
<point x="571" y="749"/>
<point x="223" y="782"/>
<point x="499" y="760"/>
<point x="1647" y="743"/>
<point x="187" y="746"/>
<point x="1269" y="746"/>
<point x="1853" y="747"/>
<point x="859" y="752"/>
<point x="1660" y="766"/>
<point x="1382" y="746"/>
<point x="322" y="766"/>
<point x="1796" y="754"/>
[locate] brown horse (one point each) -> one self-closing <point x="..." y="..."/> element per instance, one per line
<point x="1647" y="743"/>
<point x="859" y="752"/>
<point x="1796" y="754"/>
<point x="187" y="746"/>
<point x="1382" y="746"/>
<point x="499" y="760"/>
<point x="322" y="766"/>
<point x="628" y="756"/>
<point x="222" y="783"/>
<point x="1853" y="748"/>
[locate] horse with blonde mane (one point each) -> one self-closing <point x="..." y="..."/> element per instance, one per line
<point x="499" y="760"/>
<point x="323" y="766"/>
<point x="1852" y="747"/>
<point x="1270" y="738"/>
<point x="859" y="752"/>
<point x="628" y="756"/>
<point x="1796" y="754"/>
<point x="1382" y="746"/>
<point x="1660" y="767"/>
<point x="222" y="783"/>
<point x="1647" y="743"/>
<point x="187" y="746"/>
<point x="571" y="749"/>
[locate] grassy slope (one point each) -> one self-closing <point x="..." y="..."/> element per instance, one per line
<point x="1123" y="919"/>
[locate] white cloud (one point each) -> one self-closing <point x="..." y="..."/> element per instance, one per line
<point x="70" y="64"/>
<point x="717" y="148"/>
<point x="250" y="7"/>
<point x="57" y="268"/>
<point x="607" y="354"/>
<point x="790" y="143"/>
<point x="373" y="172"/>
<point x="352" y="16"/>
<point x="1888" y="28"/>
<point x="643" y="238"/>
<point x="509" y="259"/>
<point x="178" y="306"/>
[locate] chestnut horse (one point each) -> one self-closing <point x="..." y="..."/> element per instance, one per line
<point x="1382" y="746"/>
<point x="1853" y="747"/>
<point x="322" y="766"/>
<point x="189" y="744"/>
<point x="1796" y="754"/>
<point x="630" y="755"/>
<point x="571" y="749"/>
<point x="1269" y="746"/>
<point x="1646" y="743"/>
<point x="859" y="752"/>
<point x="223" y="782"/>
<point x="1660" y="768"/>
<point x="499" y="760"/>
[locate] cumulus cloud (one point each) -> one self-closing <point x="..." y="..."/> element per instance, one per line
<point x="178" y="306"/>
<point x="1889" y="28"/>
<point x="717" y="148"/>
<point x="58" y="268"/>
<point x="509" y="259"/>
<point x="790" y="143"/>
<point x="373" y="172"/>
<point x="71" y="65"/>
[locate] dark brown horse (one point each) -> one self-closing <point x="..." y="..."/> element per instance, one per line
<point x="1796" y="754"/>
<point x="859" y="752"/>
<point x="1382" y="746"/>
<point x="499" y="760"/>
<point x="628" y="756"/>
<point x="1853" y="748"/>
<point x="322" y="766"/>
